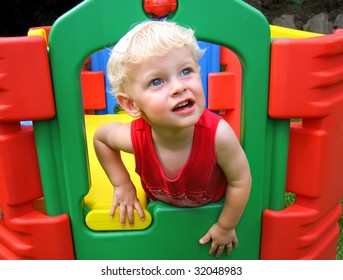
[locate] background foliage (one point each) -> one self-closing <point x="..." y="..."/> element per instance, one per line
<point x="17" y="16"/>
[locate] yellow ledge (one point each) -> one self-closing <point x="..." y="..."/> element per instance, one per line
<point x="100" y="220"/>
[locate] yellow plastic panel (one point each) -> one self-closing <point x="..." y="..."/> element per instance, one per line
<point x="99" y="219"/>
<point x="99" y="198"/>
<point x="40" y="32"/>
<point x="283" y="32"/>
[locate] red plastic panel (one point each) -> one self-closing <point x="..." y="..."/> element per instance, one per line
<point x="306" y="75"/>
<point x="24" y="232"/>
<point x="19" y="174"/>
<point x="36" y="236"/>
<point x="220" y="86"/>
<point x="316" y="159"/>
<point x="25" y="84"/>
<point x="307" y="82"/>
<point x="224" y="90"/>
<point x="93" y="90"/>
<point x="300" y="233"/>
<point x="5" y="253"/>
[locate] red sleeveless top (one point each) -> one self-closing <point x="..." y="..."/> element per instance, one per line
<point x="199" y="182"/>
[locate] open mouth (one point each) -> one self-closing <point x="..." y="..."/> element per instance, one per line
<point x="183" y="106"/>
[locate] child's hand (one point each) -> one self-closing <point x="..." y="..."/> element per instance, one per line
<point x="221" y="239"/>
<point x="126" y="198"/>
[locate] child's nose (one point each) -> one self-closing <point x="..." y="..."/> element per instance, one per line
<point x="177" y="87"/>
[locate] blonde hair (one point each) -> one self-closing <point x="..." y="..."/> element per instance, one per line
<point x="147" y="39"/>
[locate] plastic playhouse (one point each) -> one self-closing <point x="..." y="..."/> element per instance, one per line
<point x="54" y="196"/>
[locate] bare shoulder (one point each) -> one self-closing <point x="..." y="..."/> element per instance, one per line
<point x="226" y="137"/>
<point x="229" y="152"/>
<point x="115" y="135"/>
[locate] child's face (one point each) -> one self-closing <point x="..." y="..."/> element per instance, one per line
<point x="168" y="90"/>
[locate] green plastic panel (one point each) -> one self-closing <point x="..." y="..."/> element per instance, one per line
<point x="61" y="144"/>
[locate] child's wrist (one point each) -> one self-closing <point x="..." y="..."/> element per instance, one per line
<point x="225" y="227"/>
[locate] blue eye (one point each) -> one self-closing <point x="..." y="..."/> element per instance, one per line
<point x="186" y="71"/>
<point x="156" y="82"/>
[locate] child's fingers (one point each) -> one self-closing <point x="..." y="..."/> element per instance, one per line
<point x="214" y="247"/>
<point x="140" y="211"/>
<point x="229" y="248"/>
<point x="235" y="243"/>
<point x="220" y="250"/>
<point x="122" y="215"/>
<point x="206" y="238"/>
<point x="113" y="210"/>
<point x="130" y="215"/>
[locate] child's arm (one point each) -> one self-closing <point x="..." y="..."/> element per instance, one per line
<point x="109" y="140"/>
<point x="231" y="158"/>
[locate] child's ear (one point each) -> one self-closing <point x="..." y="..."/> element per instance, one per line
<point x="128" y="105"/>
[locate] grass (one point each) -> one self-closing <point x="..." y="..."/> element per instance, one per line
<point x="290" y="198"/>
<point x="339" y="254"/>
